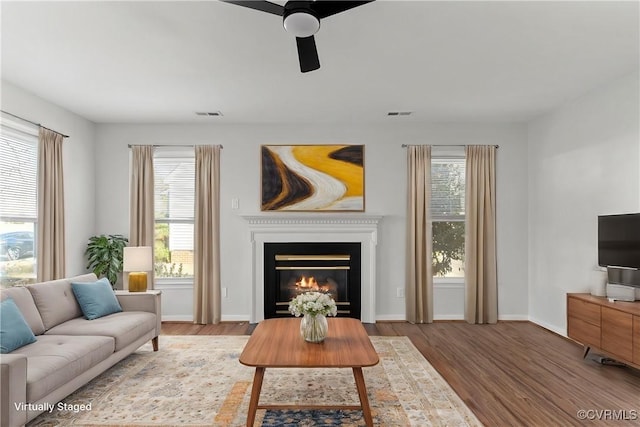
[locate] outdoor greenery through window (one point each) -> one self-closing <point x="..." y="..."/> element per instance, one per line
<point x="18" y="207"/>
<point x="448" y="216"/>
<point x="174" y="181"/>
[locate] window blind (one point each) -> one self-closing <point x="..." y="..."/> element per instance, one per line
<point x="18" y="171"/>
<point x="447" y="188"/>
<point x="174" y="185"/>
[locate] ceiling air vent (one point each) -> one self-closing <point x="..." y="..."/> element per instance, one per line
<point x="209" y="113"/>
<point x="399" y="113"/>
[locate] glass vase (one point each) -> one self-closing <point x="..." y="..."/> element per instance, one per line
<point x="313" y="328"/>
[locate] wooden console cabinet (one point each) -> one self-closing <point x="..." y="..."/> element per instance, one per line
<point x="611" y="327"/>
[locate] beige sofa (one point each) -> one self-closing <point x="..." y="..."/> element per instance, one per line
<point x="69" y="350"/>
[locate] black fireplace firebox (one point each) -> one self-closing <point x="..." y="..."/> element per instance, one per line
<point x="295" y="267"/>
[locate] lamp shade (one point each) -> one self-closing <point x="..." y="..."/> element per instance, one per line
<point x="138" y="258"/>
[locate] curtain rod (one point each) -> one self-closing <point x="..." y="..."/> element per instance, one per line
<point x="444" y="145"/>
<point x="168" y="145"/>
<point x="34" y="123"/>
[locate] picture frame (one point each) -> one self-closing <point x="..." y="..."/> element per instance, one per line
<point x="312" y="178"/>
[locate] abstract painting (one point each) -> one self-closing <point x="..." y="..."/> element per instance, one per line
<point x="312" y="178"/>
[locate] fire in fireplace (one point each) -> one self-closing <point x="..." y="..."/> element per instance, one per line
<point x="293" y="268"/>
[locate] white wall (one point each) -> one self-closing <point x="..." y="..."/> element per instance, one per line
<point x="583" y="161"/>
<point x="78" y="159"/>
<point x="385" y="187"/>
<point x="554" y="177"/>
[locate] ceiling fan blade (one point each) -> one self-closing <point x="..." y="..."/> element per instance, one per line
<point x="307" y="54"/>
<point x="263" y="6"/>
<point x="327" y="8"/>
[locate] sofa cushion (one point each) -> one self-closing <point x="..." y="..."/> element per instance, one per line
<point x="23" y="299"/>
<point x="55" y="300"/>
<point x="14" y="330"/>
<point x="53" y="361"/>
<point x="126" y="327"/>
<point x="96" y="299"/>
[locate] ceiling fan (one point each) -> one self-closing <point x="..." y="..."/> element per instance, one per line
<point x="302" y="19"/>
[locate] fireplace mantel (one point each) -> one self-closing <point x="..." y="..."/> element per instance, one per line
<point x="341" y="220"/>
<point x="314" y="228"/>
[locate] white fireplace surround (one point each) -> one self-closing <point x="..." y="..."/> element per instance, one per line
<point x="315" y="228"/>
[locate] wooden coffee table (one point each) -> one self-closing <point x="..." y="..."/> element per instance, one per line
<point x="276" y="343"/>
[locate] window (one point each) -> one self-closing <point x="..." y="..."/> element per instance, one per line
<point x="447" y="215"/>
<point x="18" y="206"/>
<point x="174" y="181"/>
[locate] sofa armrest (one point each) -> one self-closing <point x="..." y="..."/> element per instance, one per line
<point x="13" y="389"/>
<point x="148" y="301"/>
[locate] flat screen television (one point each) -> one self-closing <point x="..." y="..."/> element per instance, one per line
<point x="619" y="240"/>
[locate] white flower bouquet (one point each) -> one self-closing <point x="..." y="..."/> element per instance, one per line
<point x="313" y="303"/>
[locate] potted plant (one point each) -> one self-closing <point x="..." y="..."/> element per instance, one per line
<point x="105" y="256"/>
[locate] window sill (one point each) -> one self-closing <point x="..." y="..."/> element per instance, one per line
<point x="178" y="282"/>
<point x="448" y="283"/>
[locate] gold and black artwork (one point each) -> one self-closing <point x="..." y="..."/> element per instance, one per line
<point x="312" y="178"/>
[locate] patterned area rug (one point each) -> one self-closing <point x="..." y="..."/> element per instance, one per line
<point x="198" y="381"/>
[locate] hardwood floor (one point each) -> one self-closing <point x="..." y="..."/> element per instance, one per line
<point x="509" y="374"/>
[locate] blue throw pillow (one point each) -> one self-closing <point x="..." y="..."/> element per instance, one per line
<point x="96" y="299"/>
<point x="14" y="330"/>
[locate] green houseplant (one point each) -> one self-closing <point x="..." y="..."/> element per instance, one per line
<point x="105" y="256"/>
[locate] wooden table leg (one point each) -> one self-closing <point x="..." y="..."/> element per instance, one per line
<point x="255" y="396"/>
<point x="362" y="393"/>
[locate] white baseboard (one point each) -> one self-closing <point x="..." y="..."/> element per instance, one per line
<point x="189" y="318"/>
<point x="400" y="317"/>
<point x="548" y="326"/>
<point x="513" y="317"/>
<point x="235" y="318"/>
<point x="390" y="317"/>
<point x="505" y="317"/>
<point x="382" y="318"/>
<point x="448" y="317"/>
<point x="177" y="318"/>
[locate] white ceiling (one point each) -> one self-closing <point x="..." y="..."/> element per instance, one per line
<point x="162" y="61"/>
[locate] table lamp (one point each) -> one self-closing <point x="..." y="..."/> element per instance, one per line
<point x="137" y="261"/>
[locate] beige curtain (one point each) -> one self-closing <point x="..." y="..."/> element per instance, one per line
<point x="50" y="232"/>
<point x="419" y="294"/>
<point x="141" y="213"/>
<point x="481" y="277"/>
<point x="206" y="284"/>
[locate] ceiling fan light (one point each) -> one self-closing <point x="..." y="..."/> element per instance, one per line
<point x="301" y="24"/>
